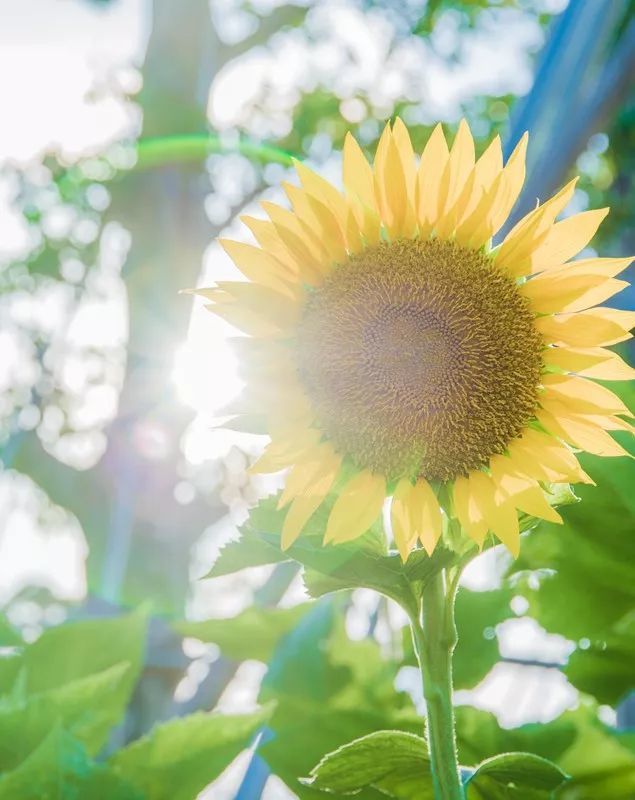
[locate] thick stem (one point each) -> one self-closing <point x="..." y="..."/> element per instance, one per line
<point x="435" y="640"/>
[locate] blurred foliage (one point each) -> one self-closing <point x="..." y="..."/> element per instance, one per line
<point x="63" y="695"/>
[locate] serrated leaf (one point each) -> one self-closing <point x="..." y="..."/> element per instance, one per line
<point x="252" y="634"/>
<point x="248" y="551"/>
<point x="514" y="776"/>
<point x="392" y="761"/>
<point x="328" y="690"/>
<point x="361" y="563"/>
<point x="178" y="759"/>
<point x="77" y="650"/>
<point x="600" y="760"/>
<point x="87" y="708"/>
<point x="80" y="673"/>
<point x="59" y="769"/>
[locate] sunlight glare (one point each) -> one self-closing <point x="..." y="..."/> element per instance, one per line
<point x="208" y="388"/>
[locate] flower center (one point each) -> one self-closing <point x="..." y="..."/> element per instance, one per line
<point x="419" y="358"/>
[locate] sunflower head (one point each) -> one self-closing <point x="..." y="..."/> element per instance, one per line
<point x="392" y="353"/>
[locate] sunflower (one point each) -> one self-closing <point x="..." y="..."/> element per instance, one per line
<point x="393" y="354"/>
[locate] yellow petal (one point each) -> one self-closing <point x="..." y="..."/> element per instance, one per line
<point x="401" y="138"/>
<point x="513" y="180"/>
<point x="390" y="188"/>
<point x="565" y="239"/>
<point x="303" y="507"/>
<point x="532" y="501"/>
<point x="267" y="237"/>
<point x="514" y="254"/>
<point x="402" y="518"/>
<point x="379" y="162"/>
<point x="546" y="212"/>
<point x="282" y="312"/>
<point x="357" y="173"/>
<point x="609" y="267"/>
<point x="590" y="362"/>
<point x="357" y="507"/>
<point x="455" y="175"/>
<point x="244" y="319"/>
<point x="329" y="229"/>
<point x="552" y="292"/>
<point x="467" y="511"/>
<point x="547" y="458"/>
<point x="257" y="264"/>
<point x="320" y="188"/>
<point x="298" y="238"/>
<point x="496" y="204"/>
<point x="500" y="517"/>
<point x="485" y="172"/>
<point x="582" y="433"/>
<point x="507" y="478"/>
<point x="284" y="450"/>
<point x="429" y="523"/>
<point x="431" y="167"/>
<point x="594" y="327"/>
<point x="321" y="221"/>
<point x="585" y="395"/>
<point x="368" y="221"/>
<point x="312" y="466"/>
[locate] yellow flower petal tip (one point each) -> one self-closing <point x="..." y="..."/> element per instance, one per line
<point x="388" y="343"/>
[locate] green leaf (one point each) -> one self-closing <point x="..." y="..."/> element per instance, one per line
<point x="178" y="759"/>
<point x="252" y="634"/>
<point x="87" y="708"/>
<point x="59" y="769"/>
<point x="514" y="776"/>
<point x="392" y="761"/>
<point x="77" y="650"/>
<point x="248" y="551"/>
<point x="600" y="760"/>
<point x="479" y="736"/>
<point x="80" y="674"/>
<point x="590" y="559"/>
<point x="477" y="614"/>
<point x="361" y="563"/>
<point x="604" y="669"/>
<point x="328" y="691"/>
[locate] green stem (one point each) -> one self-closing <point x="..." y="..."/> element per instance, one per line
<point x="435" y="640"/>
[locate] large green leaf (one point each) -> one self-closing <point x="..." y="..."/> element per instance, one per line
<point x="176" y="760"/>
<point x="87" y="708"/>
<point x="77" y="650"/>
<point x="59" y="769"/>
<point x="514" y="776"/>
<point x="328" y="690"/>
<point x="394" y="762"/>
<point x="252" y="634"/>
<point x="601" y="762"/>
<point x="585" y="585"/>
<point x="605" y="669"/>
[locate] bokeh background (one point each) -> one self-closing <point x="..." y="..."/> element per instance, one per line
<point x="133" y="134"/>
